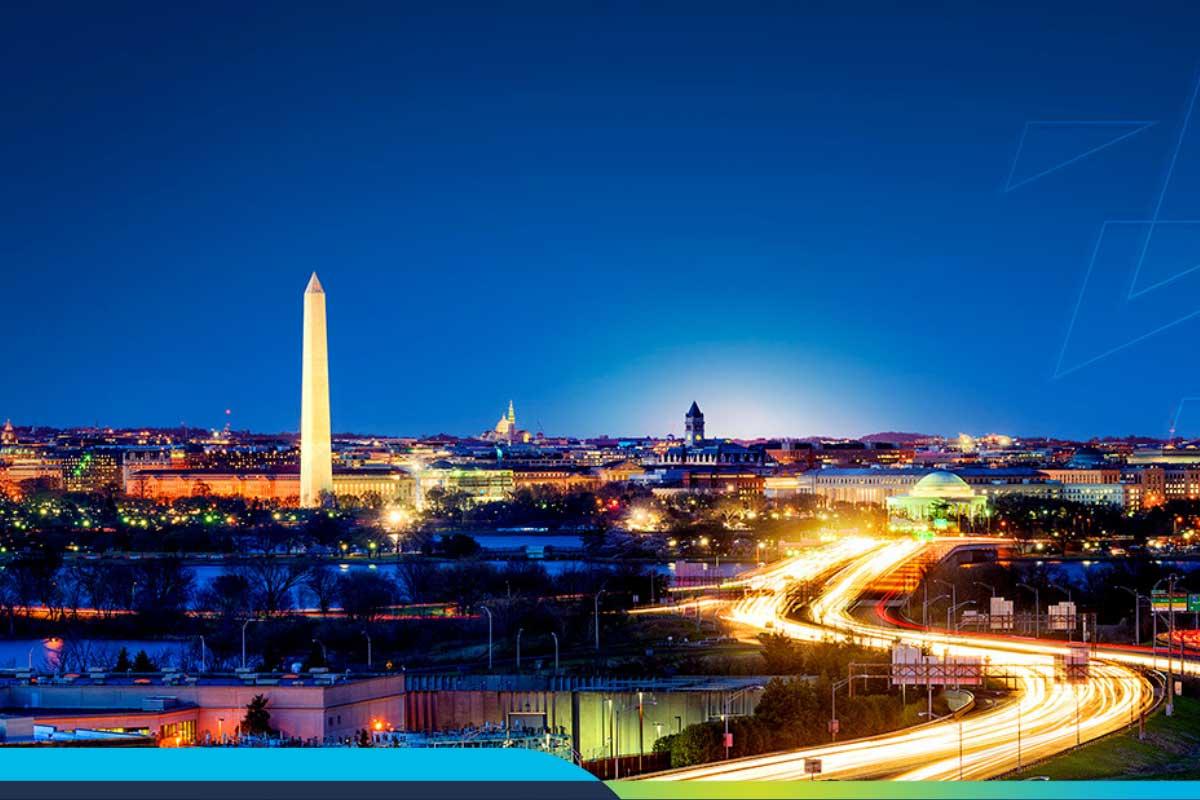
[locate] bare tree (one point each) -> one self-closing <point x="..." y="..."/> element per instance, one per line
<point x="322" y="585"/>
<point x="272" y="583"/>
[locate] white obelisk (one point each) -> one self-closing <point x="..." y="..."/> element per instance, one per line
<point x="316" y="457"/>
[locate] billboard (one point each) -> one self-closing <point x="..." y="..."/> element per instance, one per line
<point x="913" y="667"/>
<point x="1001" y="614"/>
<point x="1061" y="616"/>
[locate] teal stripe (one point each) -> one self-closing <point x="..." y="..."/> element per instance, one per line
<point x="282" y="764"/>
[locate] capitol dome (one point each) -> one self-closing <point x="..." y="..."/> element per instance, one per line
<point x="942" y="485"/>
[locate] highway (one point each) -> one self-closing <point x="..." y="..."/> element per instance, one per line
<point x="1045" y="716"/>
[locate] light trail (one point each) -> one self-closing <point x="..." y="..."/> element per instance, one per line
<point x="1050" y="715"/>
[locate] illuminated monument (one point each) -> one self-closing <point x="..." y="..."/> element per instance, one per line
<point x="939" y="495"/>
<point x="316" y="458"/>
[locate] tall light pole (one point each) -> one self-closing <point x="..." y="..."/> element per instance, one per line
<point x="1064" y="589"/>
<point x="554" y="636"/>
<point x="1037" y="609"/>
<point x="987" y="586"/>
<point x="729" y="697"/>
<point x="244" y="624"/>
<point x="488" y="611"/>
<point x="833" y="706"/>
<point x="1018" y="734"/>
<point x="203" y="655"/>
<point x="596" y="615"/>
<point x="324" y="652"/>
<point x="1170" y="709"/>
<point x="370" y="661"/>
<point x="952" y="614"/>
<point x="960" y="749"/>
<point x="641" y="729"/>
<point x="519" y="632"/>
<point x="953" y="591"/>
<point x="1137" y="613"/>
<point x="934" y="601"/>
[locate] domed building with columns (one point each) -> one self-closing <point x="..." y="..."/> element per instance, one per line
<point x="939" y="495"/>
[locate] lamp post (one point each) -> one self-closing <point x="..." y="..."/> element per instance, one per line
<point x="1018" y="734"/>
<point x="488" y="611"/>
<point x="203" y="655"/>
<point x="641" y="729"/>
<point x="1037" y="609"/>
<point x="1170" y="708"/>
<point x="554" y="636"/>
<point x="324" y="652"/>
<point x="596" y="615"/>
<point x="928" y="602"/>
<point x="244" y="624"/>
<point x="1137" y="613"/>
<point x="370" y="660"/>
<point x="833" y="706"/>
<point x="987" y="586"/>
<point x="952" y="613"/>
<point x="960" y="749"/>
<point x="953" y="591"/>
<point x="519" y="632"/>
<point x="729" y="697"/>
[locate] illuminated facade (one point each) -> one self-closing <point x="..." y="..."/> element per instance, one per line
<point x="389" y="486"/>
<point x="92" y="470"/>
<point x="564" y="479"/>
<point x="938" y="494"/>
<point x="481" y="484"/>
<point x="316" y="457"/>
<point x="506" y="429"/>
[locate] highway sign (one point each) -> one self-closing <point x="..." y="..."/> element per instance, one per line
<point x="1159" y="601"/>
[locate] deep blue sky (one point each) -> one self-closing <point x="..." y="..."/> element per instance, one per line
<point x="795" y="215"/>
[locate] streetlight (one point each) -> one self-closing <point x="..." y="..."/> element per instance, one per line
<point x="203" y="654"/>
<point x="324" y="652"/>
<point x="1018" y="734"/>
<point x="488" y="611"/>
<point x="1137" y="613"/>
<point x="554" y="636"/>
<point x="596" y="616"/>
<point x="1037" y="609"/>
<point x="519" y="632"/>
<point x="952" y="613"/>
<point x="1170" y="710"/>
<point x="987" y="586"/>
<point x="244" y="624"/>
<point x="1064" y="589"/>
<point x="728" y="701"/>
<point x="953" y="592"/>
<point x="833" y="705"/>
<point x="370" y="661"/>
<point x="929" y="602"/>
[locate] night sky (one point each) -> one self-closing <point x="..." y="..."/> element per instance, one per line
<point x="807" y="217"/>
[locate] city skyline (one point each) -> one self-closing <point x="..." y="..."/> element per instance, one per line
<point x="810" y="232"/>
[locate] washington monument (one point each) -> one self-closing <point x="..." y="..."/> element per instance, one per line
<point x="316" y="459"/>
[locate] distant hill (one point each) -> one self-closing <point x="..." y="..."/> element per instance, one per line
<point x="897" y="437"/>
